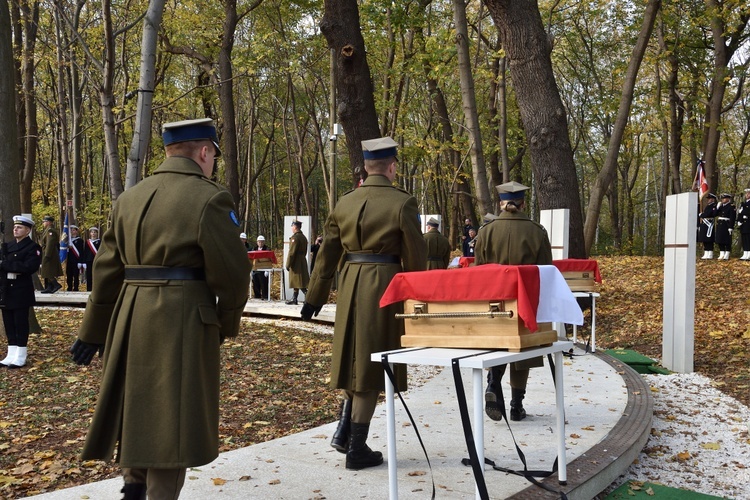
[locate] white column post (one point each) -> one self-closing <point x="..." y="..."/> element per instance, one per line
<point x="679" y="282"/>
<point x="557" y="224"/>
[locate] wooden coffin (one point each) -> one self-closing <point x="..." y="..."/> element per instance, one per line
<point x="473" y="325"/>
<point x="580" y="281"/>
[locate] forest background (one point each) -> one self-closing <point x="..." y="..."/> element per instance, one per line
<point x="602" y="107"/>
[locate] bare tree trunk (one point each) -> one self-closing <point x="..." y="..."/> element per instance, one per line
<point x="31" y="24"/>
<point x="609" y="169"/>
<point x="542" y="111"/>
<point x="142" y="128"/>
<point x="356" y="104"/>
<point x="76" y="102"/>
<point x="468" y="97"/>
<point x="10" y="200"/>
<point x="226" y="100"/>
<point x="107" y="101"/>
<point x="62" y="116"/>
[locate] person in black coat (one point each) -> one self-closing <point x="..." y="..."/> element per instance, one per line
<point x="706" y="227"/>
<point x="90" y="249"/>
<point x="20" y="260"/>
<point x="75" y="254"/>
<point x="743" y="222"/>
<point x="725" y="217"/>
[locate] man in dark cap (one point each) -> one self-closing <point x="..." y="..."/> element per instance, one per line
<point x="296" y="262"/>
<point x="706" y="227"/>
<point x="725" y="217"/>
<point x="438" y="246"/>
<point x="161" y="309"/>
<point x="512" y="239"/>
<point x="374" y="232"/>
<point x="18" y="262"/>
<point x="743" y="222"/>
<point x="51" y="267"/>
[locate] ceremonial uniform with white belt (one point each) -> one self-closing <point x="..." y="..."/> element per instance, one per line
<point x="706" y="233"/>
<point x="90" y="249"/>
<point x="725" y="217"/>
<point x="75" y="254"/>
<point x="372" y="234"/>
<point x="743" y="222"/>
<point x="20" y="260"/>
<point x="172" y="282"/>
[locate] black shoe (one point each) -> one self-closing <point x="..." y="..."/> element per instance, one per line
<point x="517" y="412"/>
<point x="55" y="287"/>
<point x="134" y="491"/>
<point x="292" y="302"/>
<point x="492" y="405"/>
<point x="359" y="456"/>
<point x="340" y="439"/>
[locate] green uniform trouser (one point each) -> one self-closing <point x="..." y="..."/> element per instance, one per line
<point x="363" y="405"/>
<point x="161" y="484"/>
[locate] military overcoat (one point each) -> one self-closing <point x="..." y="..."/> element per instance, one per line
<point x="22" y="259"/>
<point x="438" y="250"/>
<point x="159" y="394"/>
<point x="296" y="261"/>
<point x="51" y="267"/>
<point x="376" y="218"/>
<point x="513" y="239"/>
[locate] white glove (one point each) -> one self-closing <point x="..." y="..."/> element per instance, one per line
<point x="266" y="274"/>
<point x="730" y="232"/>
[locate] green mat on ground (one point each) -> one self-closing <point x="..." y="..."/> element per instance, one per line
<point x="637" y="361"/>
<point x="637" y="490"/>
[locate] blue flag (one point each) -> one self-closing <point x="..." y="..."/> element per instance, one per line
<point x="64" y="240"/>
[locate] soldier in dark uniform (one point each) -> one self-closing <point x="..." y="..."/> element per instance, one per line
<point x="51" y="267"/>
<point x="743" y="222"/>
<point x="438" y="246"/>
<point x="725" y="217"/>
<point x="90" y="249"/>
<point x="514" y="239"/>
<point x="172" y="281"/>
<point x="296" y="262"/>
<point x="75" y="254"/>
<point x="706" y="227"/>
<point x="21" y="260"/>
<point x="373" y="233"/>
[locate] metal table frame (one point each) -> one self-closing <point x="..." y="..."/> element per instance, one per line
<point x="480" y="360"/>
<point x="593" y="296"/>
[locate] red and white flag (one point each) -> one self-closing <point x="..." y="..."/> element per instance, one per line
<point x="700" y="183"/>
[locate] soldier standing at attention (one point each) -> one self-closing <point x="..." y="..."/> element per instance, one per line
<point x="438" y="246"/>
<point x="19" y="261"/>
<point x="512" y="239"/>
<point x="296" y="262"/>
<point x="90" y="250"/>
<point x="374" y="232"/>
<point x="161" y="309"/>
<point x="75" y="253"/>
<point x="51" y="267"/>
<point x="725" y="217"/>
<point x="743" y="222"/>
<point x="706" y="227"/>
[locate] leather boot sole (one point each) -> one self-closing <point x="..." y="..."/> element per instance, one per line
<point x="492" y="407"/>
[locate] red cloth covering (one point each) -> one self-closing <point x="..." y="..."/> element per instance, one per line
<point x="262" y="254"/>
<point x="570" y="265"/>
<point x="470" y="284"/>
<point x="465" y="261"/>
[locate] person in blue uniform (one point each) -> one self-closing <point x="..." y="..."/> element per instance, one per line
<point x="20" y="260"/>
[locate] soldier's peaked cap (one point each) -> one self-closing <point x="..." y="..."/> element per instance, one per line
<point x="726" y="195"/>
<point x="711" y="195"/>
<point x="48" y="218"/>
<point x="511" y="190"/>
<point x="375" y="149"/>
<point x="190" y="130"/>
<point x="747" y="190"/>
<point x="23" y="220"/>
<point x="433" y="222"/>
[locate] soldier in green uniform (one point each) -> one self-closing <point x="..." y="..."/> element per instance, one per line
<point x="511" y="238"/>
<point x="172" y="282"/>
<point x="372" y="234"/>
<point x="51" y="267"/>
<point x="438" y="246"/>
<point x="296" y="262"/>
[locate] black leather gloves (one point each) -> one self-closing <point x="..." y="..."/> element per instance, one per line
<point x="83" y="352"/>
<point x="308" y="311"/>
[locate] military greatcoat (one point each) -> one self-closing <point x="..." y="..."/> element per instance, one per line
<point x="513" y="239"/>
<point x="51" y="267"/>
<point x="376" y="218"/>
<point x="159" y="394"/>
<point x="296" y="261"/>
<point x="438" y="250"/>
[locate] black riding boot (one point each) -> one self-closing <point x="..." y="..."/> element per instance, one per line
<point x="134" y="491"/>
<point x="340" y="440"/>
<point x="360" y="456"/>
<point x="294" y="298"/>
<point x="516" y="404"/>
<point x="493" y="398"/>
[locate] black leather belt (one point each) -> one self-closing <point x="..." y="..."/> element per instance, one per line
<point x="164" y="273"/>
<point x="373" y="258"/>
